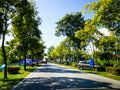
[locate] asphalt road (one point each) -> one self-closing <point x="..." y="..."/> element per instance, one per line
<point x="54" y="77"/>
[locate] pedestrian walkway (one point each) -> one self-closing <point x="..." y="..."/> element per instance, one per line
<point x="53" y="77"/>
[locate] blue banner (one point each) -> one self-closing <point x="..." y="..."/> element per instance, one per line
<point x="91" y="62"/>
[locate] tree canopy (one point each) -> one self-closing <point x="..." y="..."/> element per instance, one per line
<point x="106" y="13"/>
<point x="21" y="15"/>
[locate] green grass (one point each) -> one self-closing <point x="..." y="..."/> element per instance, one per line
<point x="14" y="79"/>
<point x="104" y="74"/>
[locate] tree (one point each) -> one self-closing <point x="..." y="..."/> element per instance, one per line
<point x="106" y="13"/>
<point x="36" y="49"/>
<point x="25" y="26"/>
<point x="61" y="51"/>
<point x="7" y="10"/>
<point x="88" y="36"/>
<point x="69" y="25"/>
<point x="14" y="52"/>
<point x="50" y="49"/>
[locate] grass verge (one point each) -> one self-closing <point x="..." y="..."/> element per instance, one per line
<point x="14" y="79"/>
<point x="104" y="74"/>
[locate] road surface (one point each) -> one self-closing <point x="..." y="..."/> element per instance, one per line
<point x="54" y="77"/>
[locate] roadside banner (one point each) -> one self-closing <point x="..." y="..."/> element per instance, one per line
<point x="91" y="62"/>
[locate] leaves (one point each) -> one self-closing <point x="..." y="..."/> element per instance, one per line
<point x="106" y="13"/>
<point x="69" y="25"/>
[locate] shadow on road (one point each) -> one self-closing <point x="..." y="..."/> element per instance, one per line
<point x="60" y="82"/>
<point x="54" y="83"/>
<point x="56" y="70"/>
<point x="49" y="69"/>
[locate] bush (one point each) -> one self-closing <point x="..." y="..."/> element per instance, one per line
<point x="13" y="69"/>
<point x="101" y="69"/>
<point x="66" y="63"/>
<point x="74" y="64"/>
<point x="113" y="70"/>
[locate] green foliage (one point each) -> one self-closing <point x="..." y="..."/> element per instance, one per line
<point x="106" y="13"/>
<point x="9" y="9"/>
<point x="89" y="34"/>
<point x="66" y="63"/>
<point x="74" y="64"/>
<point x="50" y="49"/>
<point x="14" y="79"/>
<point x="25" y="30"/>
<point x="13" y="69"/>
<point x="113" y="70"/>
<point x="106" y="56"/>
<point x="106" y="43"/>
<point x="69" y="25"/>
<point x="1" y="57"/>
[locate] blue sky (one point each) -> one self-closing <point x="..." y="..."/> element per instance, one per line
<point x="51" y="11"/>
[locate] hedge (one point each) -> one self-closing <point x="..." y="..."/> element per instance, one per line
<point x="74" y="64"/>
<point x="13" y="69"/>
<point x="113" y="70"/>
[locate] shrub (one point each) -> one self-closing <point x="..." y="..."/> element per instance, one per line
<point x="74" y="64"/>
<point x="101" y="69"/>
<point x="13" y="69"/>
<point x="117" y="71"/>
<point x="113" y="70"/>
<point x="66" y="63"/>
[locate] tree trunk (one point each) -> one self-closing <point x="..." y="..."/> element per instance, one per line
<point x="24" y="53"/>
<point x="3" y="39"/>
<point x="25" y="62"/>
<point x="33" y="60"/>
<point x="4" y="56"/>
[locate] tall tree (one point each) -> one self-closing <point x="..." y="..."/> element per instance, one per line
<point x="69" y="25"/>
<point x="50" y="49"/>
<point x="7" y="10"/>
<point x="88" y="36"/>
<point x="25" y="25"/>
<point x="106" y="13"/>
<point x="13" y="50"/>
<point x="36" y="48"/>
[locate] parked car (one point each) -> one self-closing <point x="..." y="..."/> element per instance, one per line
<point x="84" y="65"/>
<point x="43" y="61"/>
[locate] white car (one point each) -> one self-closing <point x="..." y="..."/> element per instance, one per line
<point x="84" y="65"/>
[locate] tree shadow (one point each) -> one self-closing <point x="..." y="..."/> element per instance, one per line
<point x="56" y="70"/>
<point x="64" y="83"/>
<point x="54" y="83"/>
